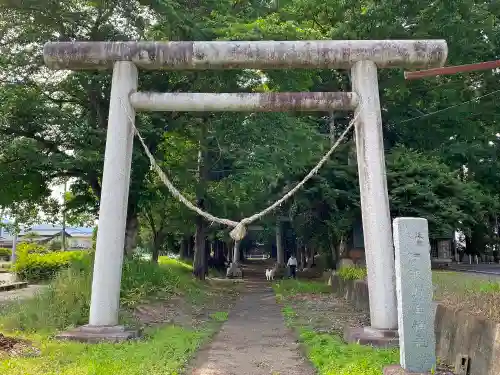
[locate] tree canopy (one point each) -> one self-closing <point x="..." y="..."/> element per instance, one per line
<point x="442" y="155"/>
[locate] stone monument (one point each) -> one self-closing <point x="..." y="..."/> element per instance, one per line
<point x="414" y="295"/>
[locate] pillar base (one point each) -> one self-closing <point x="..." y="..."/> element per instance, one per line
<point x="380" y="338"/>
<point x="96" y="334"/>
<point x="398" y="370"/>
<point x="234" y="271"/>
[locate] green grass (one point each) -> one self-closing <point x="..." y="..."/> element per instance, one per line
<point x="185" y="264"/>
<point x="478" y="294"/>
<point x="328" y="353"/>
<point x="181" y="264"/>
<point x="166" y="351"/>
<point x="163" y="350"/>
<point x="289" y="287"/>
<point x="219" y="316"/>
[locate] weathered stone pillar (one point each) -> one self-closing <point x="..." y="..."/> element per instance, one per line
<point x="280" y="252"/>
<point x="234" y="270"/>
<point x="236" y="252"/>
<point x="13" y="255"/>
<point x="374" y="198"/>
<point x="114" y="198"/>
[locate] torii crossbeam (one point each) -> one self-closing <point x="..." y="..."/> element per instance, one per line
<point x="362" y="57"/>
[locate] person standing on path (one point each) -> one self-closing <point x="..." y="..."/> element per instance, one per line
<point x="292" y="263"/>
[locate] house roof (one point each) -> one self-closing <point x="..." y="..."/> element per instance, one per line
<point x="48" y="230"/>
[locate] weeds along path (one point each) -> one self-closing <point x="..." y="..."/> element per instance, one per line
<point x="254" y="339"/>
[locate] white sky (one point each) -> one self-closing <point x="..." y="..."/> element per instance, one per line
<point x="57" y="192"/>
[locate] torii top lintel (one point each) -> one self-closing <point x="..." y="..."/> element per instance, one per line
<point x="329" y="54"/>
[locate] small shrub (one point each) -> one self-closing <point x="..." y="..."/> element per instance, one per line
<point x="142" y="278"/>
<point x="352" y="273"/>
<point x="55" y="245"/>
<point x="5" y="253"/>
<point x="32" y="248"/>
<point x="36" y="267"/>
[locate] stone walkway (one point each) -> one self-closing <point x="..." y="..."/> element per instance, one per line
<point x="254" y="340"/>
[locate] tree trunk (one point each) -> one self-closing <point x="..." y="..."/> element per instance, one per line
<point x="310" y="258"/>
<point x="131" y="231"/>
<point x="191" y="247"/>
<point x="280" y="252"/>
<point x="184" y="253"/>
<point x="335" y="258"/>
<point x="332" y="129"/>
<point x="156" y="252"/>
<point x="200" y="254"/>
<point x="303" y="256"/>
<point x="219" y="250"/>
<point x="158" y="243"/>
<point x="208" y="246"/>
<point x="342" y="248"/>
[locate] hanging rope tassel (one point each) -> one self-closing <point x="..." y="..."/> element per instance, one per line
<point x="239" y="232"/>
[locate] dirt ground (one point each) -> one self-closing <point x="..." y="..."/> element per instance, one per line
<point x="222" y="296"/>
<point x="15" y="347"/>
<point x="326" y="313"/>
<point x="254" y="340"/>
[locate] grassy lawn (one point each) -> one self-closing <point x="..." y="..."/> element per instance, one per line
<point x="164" y="348"/>
<point x="477" y="294"/>
<point x="328" y="353"/>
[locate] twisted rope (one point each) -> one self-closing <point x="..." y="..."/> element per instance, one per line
<point x="239" y="230"/>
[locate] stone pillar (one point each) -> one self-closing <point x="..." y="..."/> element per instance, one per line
<point x="13" y="255"/>
<point x="236" y="252"/>
<point x="114" y="198"/>
<point x="280" y="252"/>
<point x="234" y="270"/>
<point x="374" y="198"/>
<point x="417" y="341"/>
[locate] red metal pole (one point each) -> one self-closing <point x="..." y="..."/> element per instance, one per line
<point x="449" y="70"/>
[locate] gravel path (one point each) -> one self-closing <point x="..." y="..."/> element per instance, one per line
<point x="254" y="340"/>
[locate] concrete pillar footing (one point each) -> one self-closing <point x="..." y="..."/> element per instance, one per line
<point x="96" y="334"/>
<point x="380" y="338"/>
<point x="234" y="271"/>
<point x="398" y="370"/>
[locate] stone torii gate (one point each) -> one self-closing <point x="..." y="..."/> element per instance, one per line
<point x="362" y="57"/>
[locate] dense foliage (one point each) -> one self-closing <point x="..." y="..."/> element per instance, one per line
<point x="442" y="155"/>
<point x="5" y="253"/>
<point x="36" y="267"/>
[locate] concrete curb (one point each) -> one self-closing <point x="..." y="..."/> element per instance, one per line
<point x="12" y="286"/>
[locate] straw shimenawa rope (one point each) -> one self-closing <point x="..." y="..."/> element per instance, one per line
<point x="239" y="228"/>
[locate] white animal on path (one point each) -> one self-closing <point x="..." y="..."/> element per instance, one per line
<point x="270" y="274"/>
